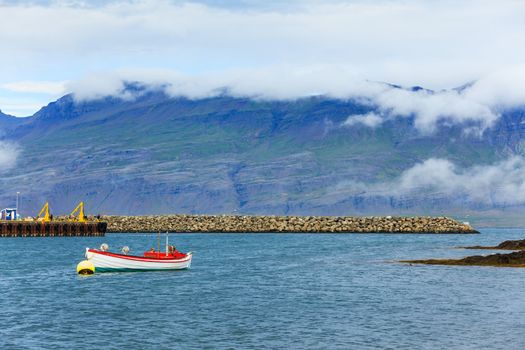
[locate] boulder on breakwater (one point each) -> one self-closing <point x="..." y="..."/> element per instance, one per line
<point x="515" y="259"/>
<point x="299" y="224"/>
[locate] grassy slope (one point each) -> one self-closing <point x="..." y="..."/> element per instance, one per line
<point x="253" y="156"/>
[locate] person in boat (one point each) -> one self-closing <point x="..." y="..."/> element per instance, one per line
<point x="152" y="250"/>
<point x="172" y="249"/>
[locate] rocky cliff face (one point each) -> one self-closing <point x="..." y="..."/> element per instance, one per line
<point x="157" y="154"/>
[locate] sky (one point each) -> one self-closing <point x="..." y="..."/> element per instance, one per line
<point x="277" y="49"/>
<point x="284" y="50"/>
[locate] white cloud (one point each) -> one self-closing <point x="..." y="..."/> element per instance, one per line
<point x="21" y="108"/>
<point x="280" y="82"/>
<point x="8" y="154"/>
<point x="40" y="87"/>
<point x="504" y="88"/>
<point x="99" y="85"/>
<point x="370" y="119"/>
<point x="276" y="51"/>
<point x="284" y="82"/>
<point x="502" y="183"/>
<point x="431" y="43"/>
<point x="24" y="98"/>
<point x="480" y="103"/>
<point x="431" y="107"/>
<point x="22" y="105"/>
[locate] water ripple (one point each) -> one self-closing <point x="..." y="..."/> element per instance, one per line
<point x="263" y="291"/>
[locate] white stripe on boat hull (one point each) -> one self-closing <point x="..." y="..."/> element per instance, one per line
<point x="110" y="263"/>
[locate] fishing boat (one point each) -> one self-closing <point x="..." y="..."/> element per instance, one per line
<point x="101" y="260"/>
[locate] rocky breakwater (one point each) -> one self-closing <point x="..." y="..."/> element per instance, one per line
<point x="311" y="224"/>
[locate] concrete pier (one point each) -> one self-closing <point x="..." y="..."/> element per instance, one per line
<point x="51" y="229"/>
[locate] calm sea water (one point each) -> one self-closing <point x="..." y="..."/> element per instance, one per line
<point x="263" y="291"/>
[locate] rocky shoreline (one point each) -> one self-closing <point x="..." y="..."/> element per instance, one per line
<point x="290" y="224"/>
<point x="516" y="259"/>
<point x="506" y="245"/>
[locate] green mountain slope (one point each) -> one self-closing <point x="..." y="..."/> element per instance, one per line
<point x="158" y="154"/>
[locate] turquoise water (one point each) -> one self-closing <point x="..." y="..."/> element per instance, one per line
<point x="263" y="291"/>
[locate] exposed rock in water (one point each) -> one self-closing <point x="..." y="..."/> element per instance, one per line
<point x="249" y="224"/>
<point x="515" y="259"/>
<point x="506" y="245"/>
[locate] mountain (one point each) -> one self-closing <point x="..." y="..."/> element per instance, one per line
<point x="159" y="154"/>
<point x="9" y="122"/>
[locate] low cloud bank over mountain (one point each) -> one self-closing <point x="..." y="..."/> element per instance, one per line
<point x="478" y="104"/>
<point x="498" y="184"/>
<point x="8" y="155"/>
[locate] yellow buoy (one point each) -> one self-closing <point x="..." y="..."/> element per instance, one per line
<point x="85" y="267"/>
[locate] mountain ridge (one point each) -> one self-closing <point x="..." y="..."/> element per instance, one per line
<point x="161" y="154"/>
<point x="9" y="122"/>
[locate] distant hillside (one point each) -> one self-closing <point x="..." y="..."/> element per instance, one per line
<point x="158" y="154"/>
<point x="9" y="122"/>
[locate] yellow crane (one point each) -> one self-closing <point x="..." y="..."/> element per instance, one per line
<point x="44" y="211"/>
<point x="80" y="209"/>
